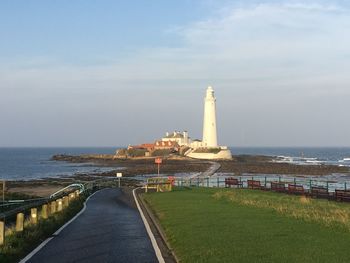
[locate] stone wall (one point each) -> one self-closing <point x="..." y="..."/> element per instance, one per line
<point x="223" y="154"/>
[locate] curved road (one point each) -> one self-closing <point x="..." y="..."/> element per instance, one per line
<point x="109" y="230"/>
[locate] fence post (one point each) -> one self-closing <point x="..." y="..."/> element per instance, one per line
<point x="345" y="186"/>
<point x="34" y="215"/>
<point x="197" y="181"/>
<point x="279" y="179"/>
<point x="19" y="222"/>
<point x="2" y="232"/>
<point x="265" y="181"/>
<point x="310" y="184"/>
<point x="53" y="207"/>
<point x="71" y="196"/>
<point x="327" y="186"/>
<point x="65" y="201"/>
<point x="218" y="182"/>
<point x="240" y="181"/>
<point x="44" y="211"/>
<point x="59" y="205"/>
<point x="295" y="180"/>
<point x="208" y="181"/>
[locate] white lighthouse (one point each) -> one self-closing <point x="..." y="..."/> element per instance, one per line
<point x="209" y="123"/>
<point x="208" y="148"/>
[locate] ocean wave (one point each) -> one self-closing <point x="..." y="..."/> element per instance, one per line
<point x="299" y="160"/>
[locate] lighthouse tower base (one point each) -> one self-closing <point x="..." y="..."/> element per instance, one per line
<point x="218" y="153"/>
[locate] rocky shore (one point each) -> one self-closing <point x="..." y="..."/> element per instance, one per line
<point x="240" y="164"/>
<point x="46" y="186"/>
<point x="138" y="166"/>
<point x="264" y="165"/>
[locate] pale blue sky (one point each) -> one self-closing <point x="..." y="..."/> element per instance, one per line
<point x="107" y="73"/>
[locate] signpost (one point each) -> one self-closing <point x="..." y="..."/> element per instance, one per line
<point x="3" y="191"/>
<point x="119" y="175"/>
<point x="158" y="161"/>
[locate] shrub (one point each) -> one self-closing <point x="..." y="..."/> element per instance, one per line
<point x="137" y="152"/>
<point x="208" y="150"/>
<point x="161" y="152"/>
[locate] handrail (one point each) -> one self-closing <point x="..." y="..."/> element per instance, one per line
<point x="40" y="201"/>
<point x="51" y="203"/>
<point x="10" y="202"/>
<point x="81" y="186"/>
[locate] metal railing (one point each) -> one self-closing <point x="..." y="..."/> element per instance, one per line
<point x="10" y="207"/>
<point x="15" y="212"/>
<point x="265" y="181"/>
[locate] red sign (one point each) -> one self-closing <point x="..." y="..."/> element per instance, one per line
<point x="158" y="160"/>
<point x="171" y="179"/>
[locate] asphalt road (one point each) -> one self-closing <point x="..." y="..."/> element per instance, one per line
<point x="109" y="230"/>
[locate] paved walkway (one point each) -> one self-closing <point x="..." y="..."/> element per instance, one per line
<point x="110" y="230"/>
<point x="211" y="170"/>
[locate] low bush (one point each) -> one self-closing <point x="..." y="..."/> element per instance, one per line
<point x="162" y="152"/>
<point x="208" y="150"/>
<point x="136" y="152"/>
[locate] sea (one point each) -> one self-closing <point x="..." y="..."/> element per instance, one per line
<point x="301" y="155"/>
<point x="36" y="163"/>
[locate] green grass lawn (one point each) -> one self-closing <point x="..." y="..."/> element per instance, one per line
<point x="230" y="225"/>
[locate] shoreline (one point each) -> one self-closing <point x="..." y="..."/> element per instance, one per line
<point x="241" y="164"/>
<point x="139" y="167"/>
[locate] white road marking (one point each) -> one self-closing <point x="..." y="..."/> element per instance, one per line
<point x="149" y="231"/>
<point x="38" y="248"/>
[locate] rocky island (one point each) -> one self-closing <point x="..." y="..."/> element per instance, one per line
<point x="239" y="165"/>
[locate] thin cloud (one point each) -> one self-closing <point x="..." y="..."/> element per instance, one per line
<point x="257" y="40"/>
<point x="260" y="57"/>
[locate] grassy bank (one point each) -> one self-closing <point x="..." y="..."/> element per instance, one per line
<point x="225" y="225"/>
<point x="19" y="244"/>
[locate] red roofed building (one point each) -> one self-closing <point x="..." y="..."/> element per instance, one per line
<point x="166" y="145"/>
<point x="146" y="146"/>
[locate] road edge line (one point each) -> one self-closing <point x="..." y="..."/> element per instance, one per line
<point x="148" y="229"/>
<point x="42" y="244"/>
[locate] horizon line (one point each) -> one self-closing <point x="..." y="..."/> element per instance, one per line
<point x="246" y="146"/>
